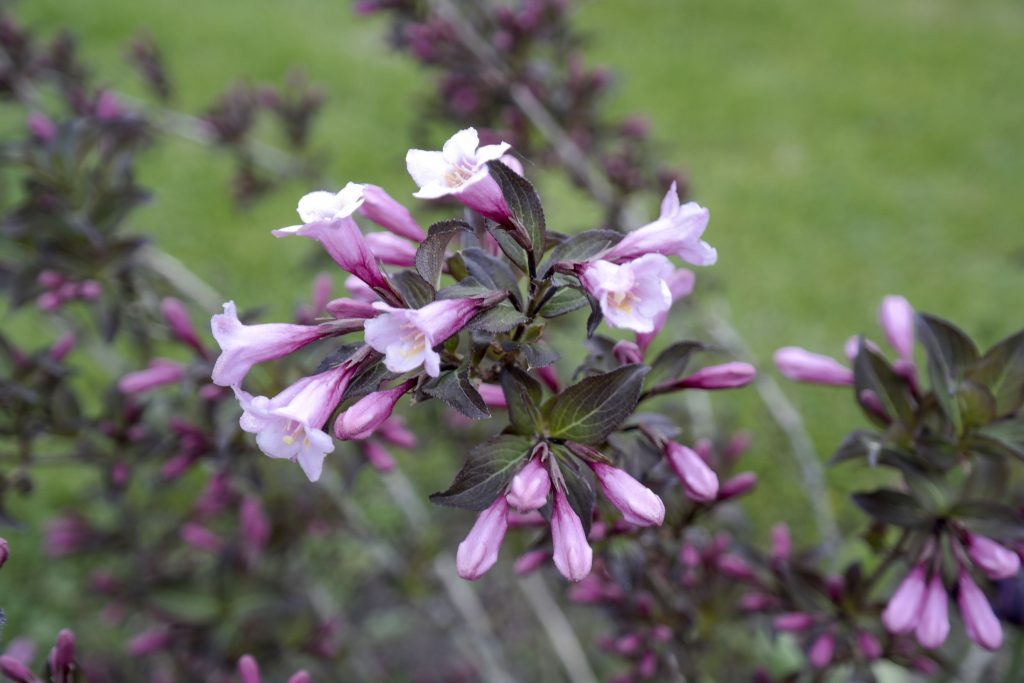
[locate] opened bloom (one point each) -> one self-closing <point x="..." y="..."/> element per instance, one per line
<point x="572" y="553"/>
<point x="407" y="336"/>
<point x="677" y="232"/>
<point x="638" y="504"/>
<point x="632" y="295"/>
<point x="680" y="285"/>
<point x="460" y="170"/>
<point x="290" y="425"/>
<point x="479" y="551"/>
<point x="980" y="621"/>
<point x="363" y="417"/>
<point x="801" y="365"/>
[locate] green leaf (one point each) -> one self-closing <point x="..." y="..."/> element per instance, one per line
<point x="949" y="351"/>
<point x="430" y="256"/>
<point x="416" y="291"/>
<point x="893" y="507"/>
<point x="523" y="202"/>
<point x="509" y="247"/>
<point x="466" y="289"/>
<point x="1001" y="369"/>
<point x="596" y="316"/>
<point x="976" y="404"/>
<point x="858" y="444"/>
<point x="523" y="394"/>
<point x="1006" y="434"/>
<point x="368" y="381"/>
<point x="492" y="272"/>
<point x="565" y="300"/>
<point x="537" y="354"/>
<point x="672" y="362"/>
<point x="455" y="389"/>
<point x="500" y="318"/>
<point x="993" y="520"/>
<point x="593" y="408"/>
<point x="872" y="373"/>
<point x="578" y="490"/>
<point x="485" y="473"/>
<point x="581" y="247"/>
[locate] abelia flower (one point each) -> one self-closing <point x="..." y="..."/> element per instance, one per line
<point x="725" y="376"/>
<point x="638" y="504"/>
<point x="677" y="232"/>
<point x="627" y="352"/>
<point x="801" y="365"/>
<point x="460" y="170"/>
<point x="5" y="552"/>
<point x="896" y="316"/>
<point x="290" y="425"/>
<point x="391" y="249"/>
<point x="479" y="551"/>
<point x="995" y="560"/>
<point x="530" y="486"/>
<point x="329" y="206"/>
<point x="980" y="621"/>
<point x="159" y="373"/>
<point x="363" y="417"/>
<point x="351" y="308"/>
<point x="493" y="395"/>
<point x="699" y="481"/>
<point x="407" y="336"/>
<point x="248" y="670"/>
<point x="680" y="285"/>
<point x="572" y="553"/>
<point x="243" y="346"/>
<point x="14" y="670"/>
<point x="631" y="295"/>
<point x="904" y="609"/>
<point x="62" y="656"/>
<point x="388" y="213"/>
<point x="933" y="626"/>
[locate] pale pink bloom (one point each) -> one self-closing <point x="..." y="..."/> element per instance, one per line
<point x="904" y="609"/>
<point x="633" y="294"/>
<point x="160" y="372"/>
<point x="378" y="457"/>
<point x="243" y="346"/>
<point x="407" y="336"/>
<point x="41" y="127"/>
<point x="391" y="249"/>
<point x="792" y="622"/>
<point x="933" y="626"/>
<point x="820" y="654"/>
<point x="725" y="376"/>
<point x="980" y="621"/>
<point x="248" y="670"/>
<point x="180" y="324"/>
<point x="677" y="232"/>
<point x="869" y="646"/>
<point x="385" y="211"/>
<point x="627" y="352"/>
<point x="322" y="286"/>
<point x="329" y="206"/>
<point x="699" y="481"/>
<point x="479" y="551"/>
<point x="363" y="417"/>
<point x="680" y="285"/>
<point x="804" y="366"/>
<point x="201" y="538"/>
<point x="530" y="486"/>
<point x="638" y="504"/>
<point x="290" y="425"/>
<point x="351" y="308"/>
<point x="896" y="316"/>
<point x="530" y="561"/>
<point x="460" y="170"/>
<point x="394" y="431"/>
<point x="736" y="486"/>
<point x="493" y="395"/>
<point x="572" y="553"/>
<point x="995" y="560"/>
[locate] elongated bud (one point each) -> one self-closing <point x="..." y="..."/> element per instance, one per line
<point x="933" y="627"/>
<point x="198" y="536"/>
<point x="479" y="551"/>
<point x="388" y="213"/>
<point x="548" y="375"/>
<point x="149" y="641"/>
<point x="980" y="621"/>
<point x="820" y="654"/>
<point x="14" y="670"/>
<point x="740" y="485"/>
<point x="5" y="552"/>
<point x="638" y="504"/>
<point x="64" y="652"/>
<point x="248" y="670"/>
<point x="793" y="622"/>
<point x="62" y="347"/>
<point x="572" y="553"/>
<point x="159" y="373"/>
<point x="735" y="566"/>
<point x="394" y="431"/>
<point x="378" y="457"/>
<point x="801" y="365"/>
<point x="364" y="416"/>
<point x="782" y="545"/>
<point x="896" y="316"/>
<point x="528" y="562"/>
<point x="869" y="646"/>
<point x="493" y="395"/>
<point x="530" y="487"/>
<point x="41" y="127"/>
<point x="699" y="481"/>
<point x="351" y="309"/>
<point x="904" y="609"/>
<point x="254" y="524"/>
<point x="392" y="249"/>
<point x="725" y="376"/>
<point x="180" y="324"/>
<point x="995" y="560"/>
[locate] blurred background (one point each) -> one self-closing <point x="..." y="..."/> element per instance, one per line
<point x="847" y="150"/>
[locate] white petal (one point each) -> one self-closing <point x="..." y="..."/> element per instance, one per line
<point x="461" y="146"/>
<point x="426" y="168"/>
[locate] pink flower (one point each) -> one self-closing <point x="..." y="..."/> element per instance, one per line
<point x="394" y="431"/>
<point x="378" y="457"/>
<point x="896" y="316"/>
<point x="363" y="417"/>
<point x="14" y="670"/>
<point x="301" y="676"/>
<point x="820" y="654"/>
<point x="385" y="211"/>
<point x="801" y="365"/>
<point x="980" y="621"/>
<point x="933" y="626"/>
<point x="351" y="308"/>
<point x="725" y="376"/>
<point x="677" y="232"/>
<point x="243" y="346"/>
<point x="904" y="609"/>
<point x="782" y="544"/>
<point x="637" y="503"/>
<point x="62" y="656"/>
<point x="41" y="127"/>
<point x="201" y="538"/>
<point x="180" y="324"/>
<point x="479" y="551"/>
<point x="391" y="249"/>
<point x="792" y="622"/>
<point x="631" y="295"/>
<point x="290" y="425"/>
<point x="493" y="395"/>
<point x="253" y="524"/>
<point x="530" y="487"/>
<point x="530" y="561"/>
<point x="869" y="646"/>
<point x="407" y="336"/>
<point x="160" y="372"/>
<point x="996" y="561"/>
<point x="741" y="484"/>
<point x="148" y="641"/>
<point x="680" y="285"/>
<point x="627" y="352"/>
<point x="572" y="553"/>
<point x="248" y="670"/>
<point x="5" y="551"/>
<point x="699" y="481"/>
<point x="460" y="170"/>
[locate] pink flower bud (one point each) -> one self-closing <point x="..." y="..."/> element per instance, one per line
<point x="755" y="602"/>
<point x="852" y="347"/>
<point x="322" y="286"/>
<point x="648" y="665"/>
<point x="253" y="524"/>
<point x="248" y="670"/>
<point x="378" y="457"/>
<point x="90" y="290"/>
<point x="869" y="646"/>
<point x="493" y="395"/>
<point x="528" y="562"/>
<point x="392" y="249"/>
<point x="181" y="326"/>
<point x="16" y="671"/>
<point x="108" y="107"/>
<point x="393" y="431"/>
<point x="637" y="503"/>
<point x="995" y="560"/>
<point x="62" y="347"/>
<point x="159" y="373"/>
<point x="904" y="609"/>
<point x="782" y="545"/>
<point x="627" y="353"/>
<point x="735" y="567"/>
<point x="572" y="553"/>
<point x="793" y="622"/>
<point x="699" y="481"/>
<point x="364" y="416"/>
<point x="820" y="654"/>
<point x="801" y="365"/>
<point x="725" y="376"/>
<point x="933" y="626"/>
<point x="351" y="308"/>
<point x="548" y="375"/>
<point x="388" y="213"/>
<point x="479" y="551"/>
<point x="738" y="445"/>
<point x="62" y="659"/>
<point x="149" y="641"/>
<point x="41" y="127"/>
<point x="49" y="302"/>
<point x="530" y="486"/>
<point x="742" y="484"/>
<point x="201" y="538"/>
<point x="5" y="552"/>
<point x="980" y="621"/>
<point x="300" y="677"/>
<point x="896" y="317"/>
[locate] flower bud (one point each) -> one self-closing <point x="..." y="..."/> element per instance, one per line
<point x="801" y="365"/>
<point x="201" y="538"/>
<point x="41" y="127"/>
<point x="548" y="375"/>
<point x="388" y="213"/>
<point x="253" y="524"/>
<point x="530" y="487"/>
<point x="724" y="376"/>
<point x="933" y="626"/>
<point x="740" y="485"/>
<point x="62" y="657"/>
<point x="479" y="551"/>
<point x="980" y="621"/>
<point x="394" y="431"/>
<point x="378" y="457"/>
<point x="300" y="677"/>
<point x="15" y="670"/>
<point x="392" y="249"/>
<point x="903" y="611"/>
<point x="248" y="670"/>
<point x="627" y="353"/>
<point x="793" y="622"/>
<point x="493" y="395"/>
<point x="992" y="558"/>
<point x="572" y="553"/>
<point x="896" y="316"/>
<point x="782" y="544"/>
<point x="180" y="324"/>
<point x="62" y="347"/>
<point x="699" y="481"/>
<point x="149" y="641"/>
<point x="869" y="646"/>
<point x="159" y="373"/>
<point x="735" y="567"/>
<point x="5" y="552"/>
<point x="820" y="654"/>
<point x="637" y="503"/>
<point x="528" y="562"/>
<point x="364" y="416"/>
<point x="351" y="308"/>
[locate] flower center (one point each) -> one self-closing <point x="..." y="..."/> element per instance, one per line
<point x="292" y="433"/>
<point x="458" y="174"/>
<point x="622" y="301"/>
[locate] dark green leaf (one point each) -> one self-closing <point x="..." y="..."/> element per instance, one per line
<point x="455" y="389"/>
<point x="515" y="253"/>
<point x="672" y="362"/>
<point x="591" y="409"/>
<point x="416" y="291"/>
<point x="581" y="247"/>
<point x="523" y="202"/>
<point x="949" y="351"/>
<point x="858" y="444"/>
<point x="1008" y="434"/>
<point x="485" y="473"/>
<point x="565" y="300"/>
<point x="500" y="318"/>
<point x="872" y="373"/>
<point x="578" y="490"/>
<point x="537" y="354"/>
<point x="1001" y="369"/>
<point x="430" y="256"/>
<point x="596" y="316"/>
<point x="993" y="520"/>
<point x="976" y="404"/>
<point x="523" y="394"/>
<point x="893" y="507"/>
<point x="492" y="272"/>
<point x="466" y="289"/>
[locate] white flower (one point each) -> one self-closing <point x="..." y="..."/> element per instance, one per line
<point x="632" y="294"/>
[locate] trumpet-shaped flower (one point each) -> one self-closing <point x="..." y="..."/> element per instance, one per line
<point x="391" y="249"/>
<point x="995" y="560"/>
<point x="677" y="232"/>
<point x="801" y="365"/>
<point x="460" y="170"/>
<point x="388" y="213"/>
<point x="638" y="504"/>
<point x="633" y="294"/>
<point x="680" y="285"/>
<point x="896" y="316"/>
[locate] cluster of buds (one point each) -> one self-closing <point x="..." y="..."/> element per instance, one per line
<point x="58" y="290"/>
<point x="60" y="666"/>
